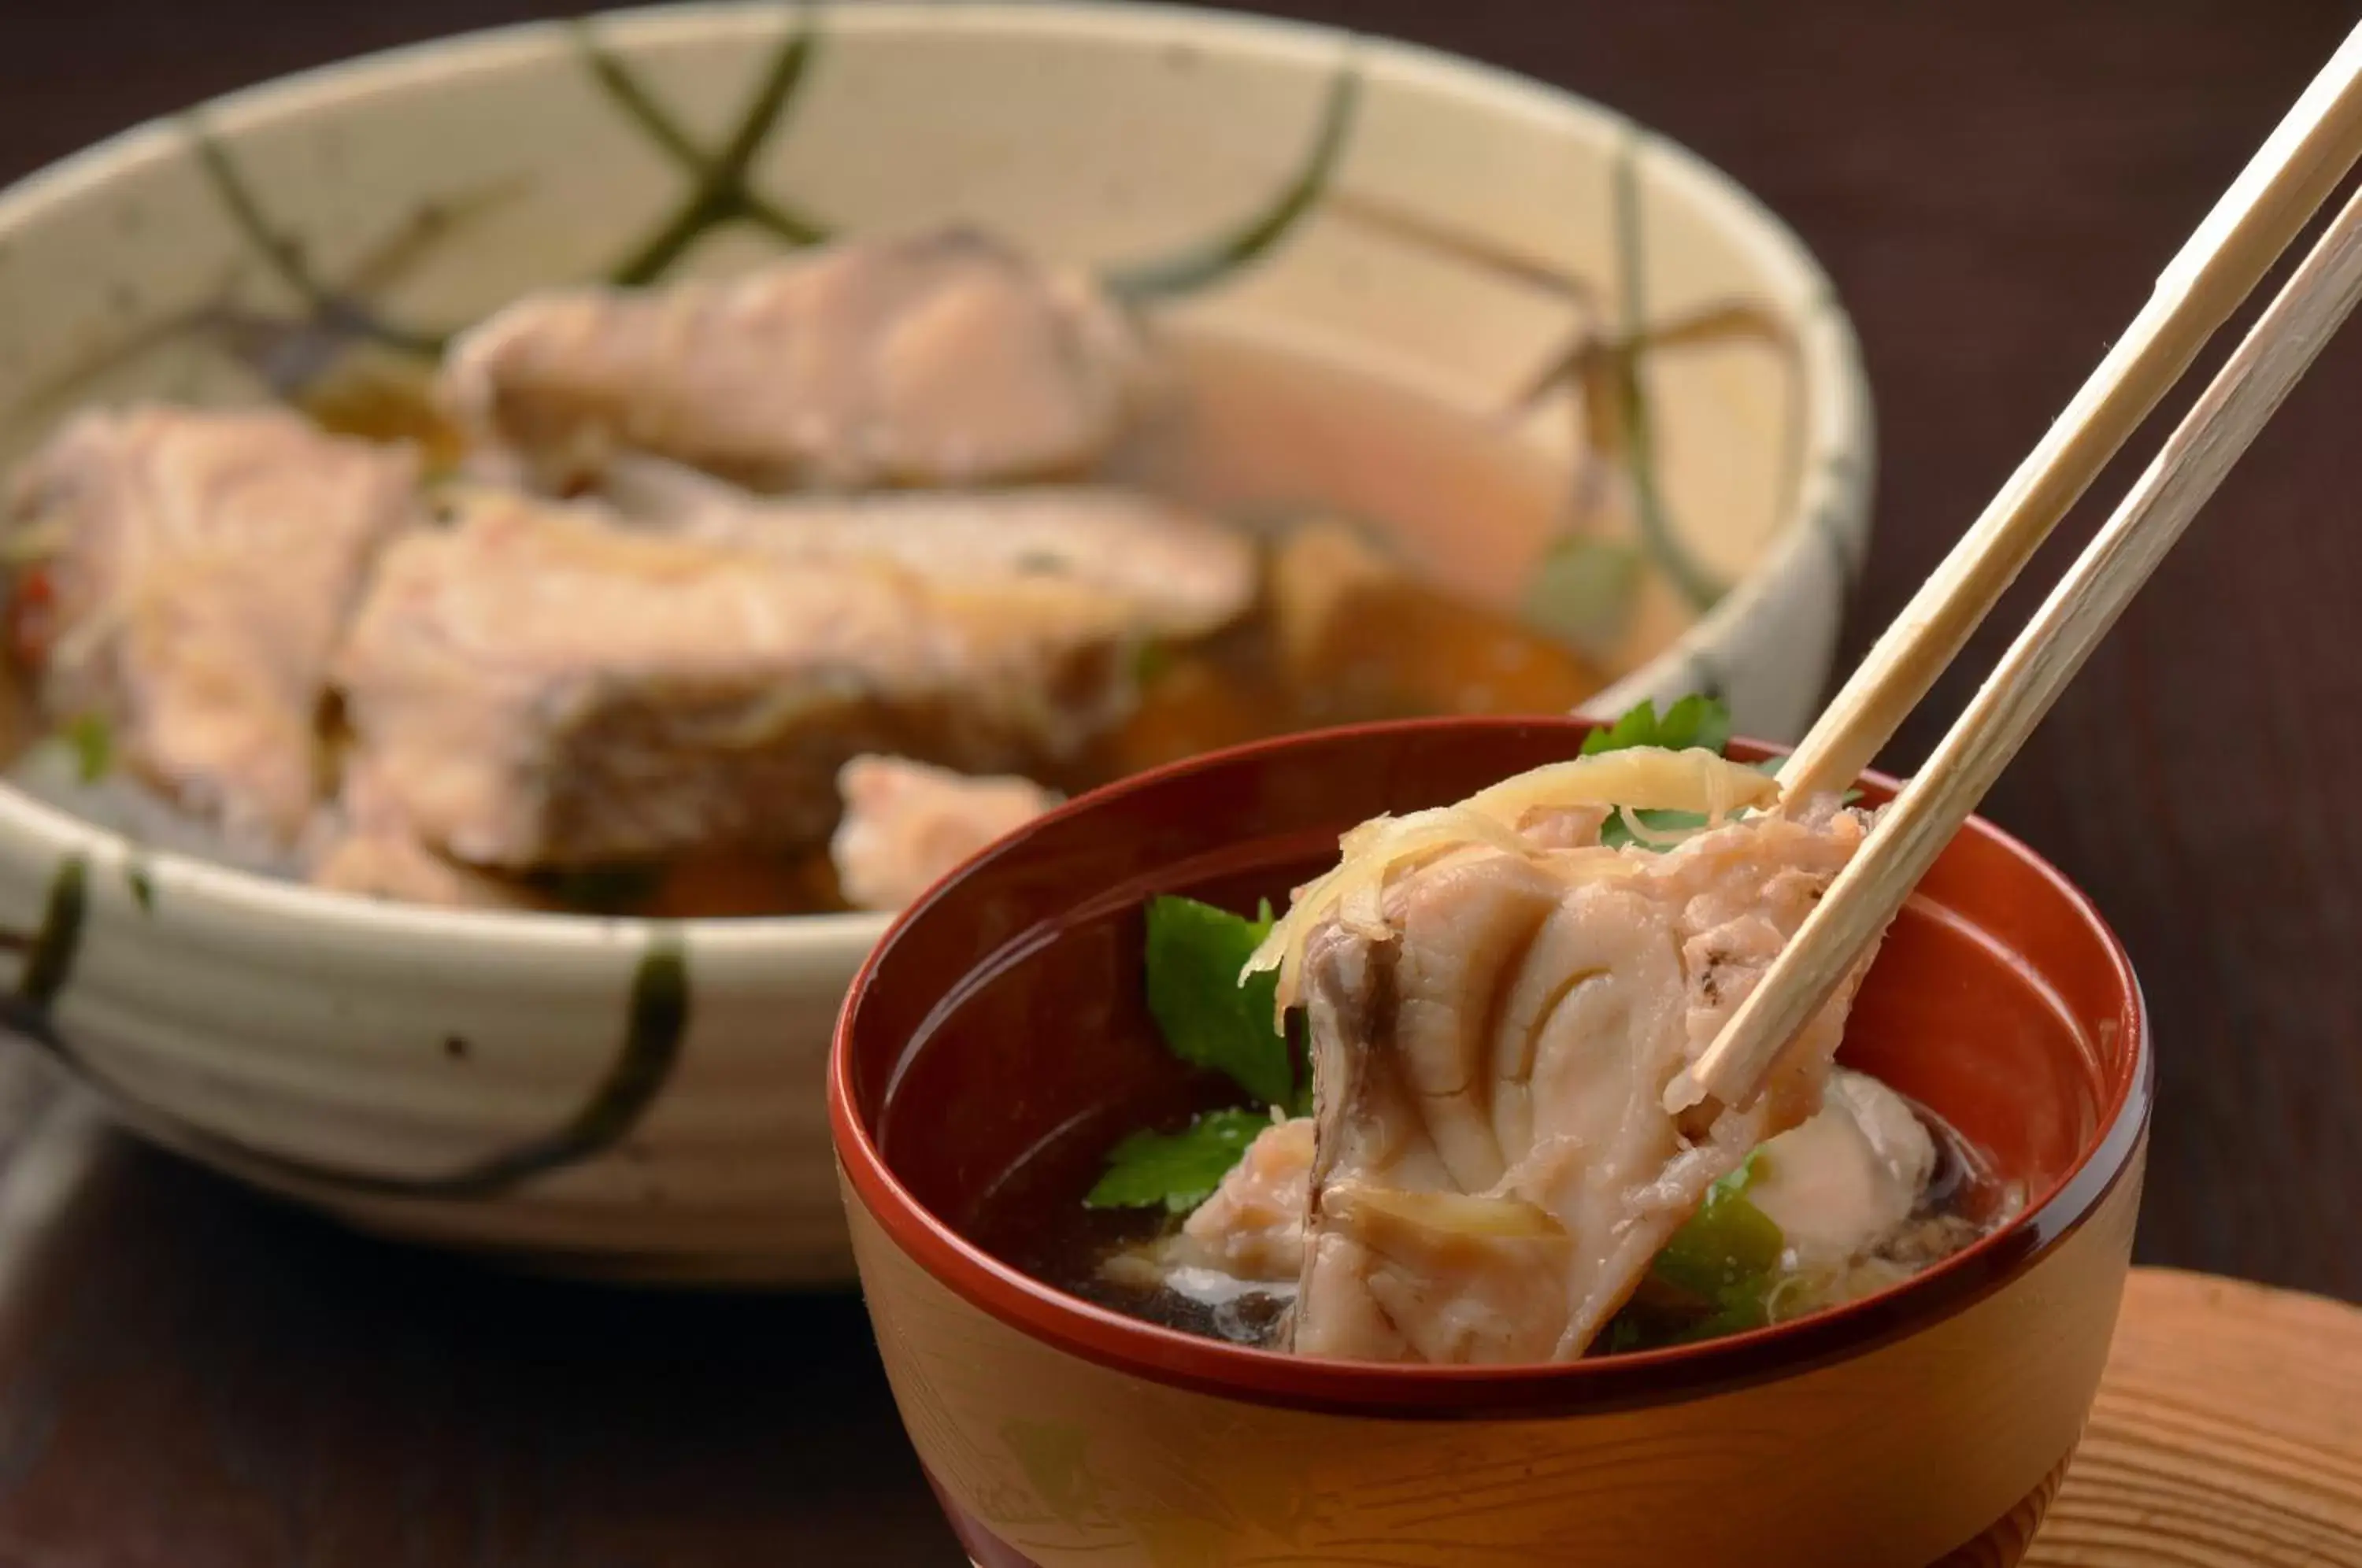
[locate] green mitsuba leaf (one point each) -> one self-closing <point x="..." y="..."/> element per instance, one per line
<point x="1714" y="1276"/>
<point x="1207" y="1018"/>
<point x="93" y="742"/>
<point x="1694" y="720"/>
<point x="1176" y="1171"/>
<point x="1583" y="591"/>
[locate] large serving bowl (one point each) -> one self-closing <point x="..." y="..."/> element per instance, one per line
<point x="1934" y="1420"/>
<point x="641" y="1099"/>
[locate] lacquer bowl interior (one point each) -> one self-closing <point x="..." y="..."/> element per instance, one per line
<point x="1005" y="1012"/>
<point x="623" y="1098"/>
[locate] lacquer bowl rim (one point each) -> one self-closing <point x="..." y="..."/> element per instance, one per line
<point x="1130" y="1345"/>
<point x="276" y="912"/>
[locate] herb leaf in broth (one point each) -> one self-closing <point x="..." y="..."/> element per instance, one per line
<point x="1714" y="1277"/>
<point x="1584" y="590"/>
<point x="93" y="742"/>
<point x="1617" y="833"/>
<point x="1176" y="1171"/>
<point x="1694" y="720"/>
<point x="1151" y="662"/>
<point x="1208" y="1019"/>
<point x="1727" y="1245"/>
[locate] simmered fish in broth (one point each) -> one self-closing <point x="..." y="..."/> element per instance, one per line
<point x="615" y="609"/>
<point x="938" y="359"/>
<point x="1471" y="1158"/>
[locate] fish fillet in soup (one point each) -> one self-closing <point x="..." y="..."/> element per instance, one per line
<point x="1183" y="573"/>
<point x="943" y="358"/>
<point x="392" y="866"/>
<point x="533" y="686"/>
<point x="1252" y="1228"/>
<point x="197" y="568"/>
<point x="905" y="824"/>
<point x="1842" y="1184"/>
<point x="1494" y="1020"/>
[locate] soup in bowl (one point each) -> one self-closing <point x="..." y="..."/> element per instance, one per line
<point x="1013" y="1041"/>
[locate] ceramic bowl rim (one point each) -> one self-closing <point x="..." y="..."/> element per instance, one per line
<point x="1837" y="415"/>
<point x="1132" y="1346"/>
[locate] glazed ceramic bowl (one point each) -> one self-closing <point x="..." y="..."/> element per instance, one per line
<point x="1928" y="1424"/>
<point x="645" y="1099"/>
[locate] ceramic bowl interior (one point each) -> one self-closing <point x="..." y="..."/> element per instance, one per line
<point x="1001" y="1027"/>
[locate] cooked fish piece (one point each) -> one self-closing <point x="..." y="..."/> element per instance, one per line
<point x="1850" y="1191"/>
<point x="198" y="566"/>
<point x="943" y="358"/>
<point x="905" y="824"/>
<point x="1252" y="1228"/>
<point x="1183" y="573"/>
<point x="363" y="842"/>
<point x="399" y="869"/>
<point x="1848" y="1178"/>
<point x="1243" y="1244"/>
<point x="1493" y="1030"/>
<point x="533" y="687"/>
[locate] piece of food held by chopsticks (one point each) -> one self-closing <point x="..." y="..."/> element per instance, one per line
<point x="1549" y="1070"/>
<point x="1493" y="1030"/>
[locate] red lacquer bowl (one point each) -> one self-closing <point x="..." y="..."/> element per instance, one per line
<point x="1928" y="1424"/>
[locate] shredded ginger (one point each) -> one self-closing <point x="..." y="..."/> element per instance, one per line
<point x="1637" y="779"/>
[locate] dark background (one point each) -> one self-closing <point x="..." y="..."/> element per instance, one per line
<point x="189" y="1376"/>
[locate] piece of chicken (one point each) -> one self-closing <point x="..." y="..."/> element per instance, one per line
<point x="943" y="358"/>
<point x="197" y="568"/>
<point x="905" y="824"/>
<point x="1494" y="1166"/>
<point x="1183" y="573"/>
<point x="533" y="687"/>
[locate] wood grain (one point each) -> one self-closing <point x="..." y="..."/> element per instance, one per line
<point x="2228" y="1434"/>
<point x="192" y="1376"/>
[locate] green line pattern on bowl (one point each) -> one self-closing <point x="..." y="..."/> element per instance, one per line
<point x="656" y="1020"/>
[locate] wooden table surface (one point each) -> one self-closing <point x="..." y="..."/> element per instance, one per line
<point x="191" y="1377"/>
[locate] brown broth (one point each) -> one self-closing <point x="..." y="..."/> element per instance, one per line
<point x="1397" y="532"/>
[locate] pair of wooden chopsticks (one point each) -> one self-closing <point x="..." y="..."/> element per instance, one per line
<point x="2257" y="217"/>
